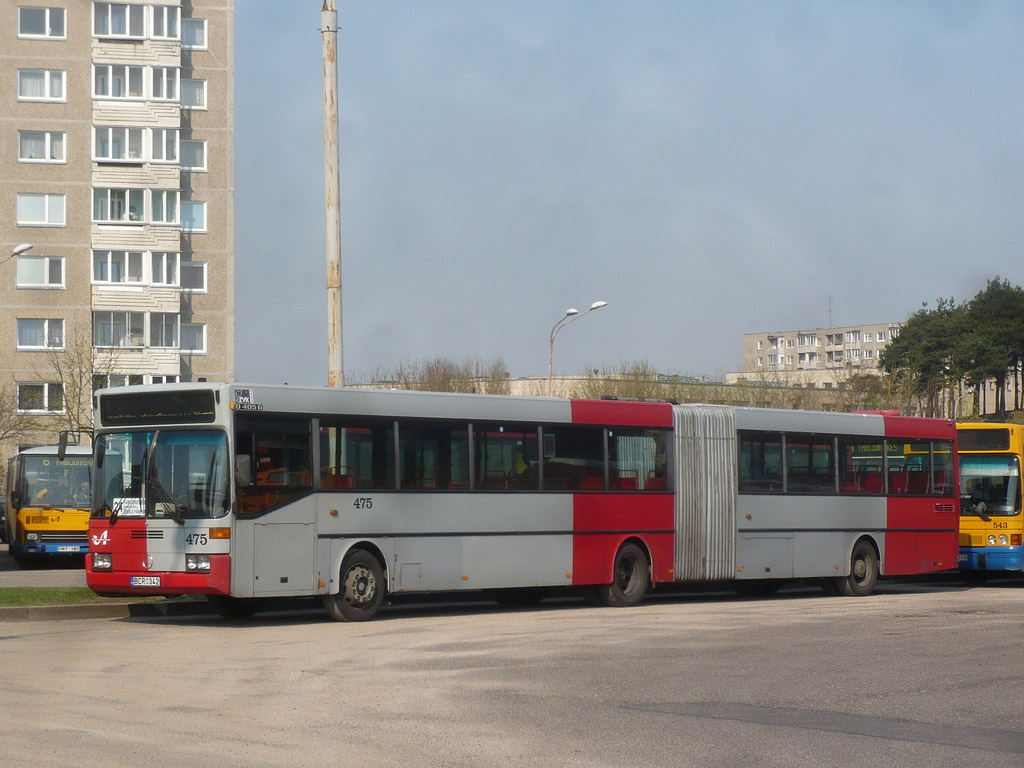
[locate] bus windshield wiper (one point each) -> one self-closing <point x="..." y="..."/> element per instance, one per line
<point x="978" y="510"/>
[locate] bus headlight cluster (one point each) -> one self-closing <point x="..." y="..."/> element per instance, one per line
<point x="31" y="537"/>
<point x="1001" y="539"/>
<point x="102" y="561"/>
<point x="195" y="563"/>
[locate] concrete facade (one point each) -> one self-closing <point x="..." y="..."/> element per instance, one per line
<point x="117" y="166"/>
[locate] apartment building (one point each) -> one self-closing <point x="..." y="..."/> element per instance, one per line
<point x="117" y="168"/>
<point x="814" y="358"/>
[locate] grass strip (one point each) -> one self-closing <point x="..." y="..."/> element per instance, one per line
<point x="18" y="597"/>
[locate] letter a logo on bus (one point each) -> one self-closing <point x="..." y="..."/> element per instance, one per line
<point x="101" y="540"/>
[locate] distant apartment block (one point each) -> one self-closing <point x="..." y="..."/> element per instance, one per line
<point x="814" y="357"/>
<point x="117" y="167"/>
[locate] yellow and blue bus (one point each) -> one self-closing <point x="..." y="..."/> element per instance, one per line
<point x="991" y="523"/>
<point x="48" y="500"/>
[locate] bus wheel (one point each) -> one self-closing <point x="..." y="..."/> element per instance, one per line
<point x="863" y="571"/>
<point x="630" y="579"/>
<point x="362" y="588"/>
<point x="233" y="607"/>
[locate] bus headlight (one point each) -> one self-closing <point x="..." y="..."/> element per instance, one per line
<point x="102" y="561"/>
<point x="197" y="563"/>
<point x="991" y="538"/>
<point x="1004" y="539"/>
<point x="31" y="537"/>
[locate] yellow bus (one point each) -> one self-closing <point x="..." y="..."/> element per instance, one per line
<point x="48" y="501"/>
<point x="991" y="523"/>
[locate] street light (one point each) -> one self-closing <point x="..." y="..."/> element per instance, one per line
<point x="570" y="315"/>
<point x="18" y="251"/>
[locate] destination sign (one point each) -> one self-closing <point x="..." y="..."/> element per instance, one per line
<point x="157" y="408"/>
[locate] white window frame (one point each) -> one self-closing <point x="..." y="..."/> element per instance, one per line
<point x="160" y="324"/>
<point x="47" y="23"/>
<point x="165" y="83"/>
<point x="158" y="144"/>
<point x="161" y="15"/>
<point x="49" y="77"/>
<point x="164" y="264"/>
<point x="139" y="196"/>
<point x="109" y="261"/>
<point x="48" y="143"/>
<point x="50" y="203"/>
<point x="202" y="333"/>
<point x="186" y="221"/>
<point x="181" y="154"/>
<point x="199" y="46"/>
<point x="135" y="14"/>
<point x="198" y="266"/>
<point x="49" y="323"/>
<point x="139" y="326"/>
<point x="167" y="378"/>
<point x="47" y="269"/>
<point x="47" y="397"/>
<point x="109" y="71"/>
<point x="164" y="206"/>
<point x="113" y="135"/>
<point x="106" y="381"/>
<point x="201" y="106"/>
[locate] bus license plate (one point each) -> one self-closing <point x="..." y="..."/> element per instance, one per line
<point x="67" y="549"/>
<point x="145" y="581"/>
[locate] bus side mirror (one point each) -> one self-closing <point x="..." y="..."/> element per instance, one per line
<point x="62" y="445"/>
<point x="15" y="499"/>
<point x="243" y="470"/>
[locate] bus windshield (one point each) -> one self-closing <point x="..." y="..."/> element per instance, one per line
<point x="992" y="479"/>
<point x="47" y="482"/>
<point x="175" y="474"/>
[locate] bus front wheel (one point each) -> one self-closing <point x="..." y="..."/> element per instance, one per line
<point x="362" y="588"/>
<point x="863" y="572"/>
<point x="631" y="578"/>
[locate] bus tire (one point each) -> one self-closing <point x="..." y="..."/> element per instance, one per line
<point x="362" y="588"/>
<point x="863" y="571"/>
<point x="233" y="607"/>
<point x="631" y="578"/>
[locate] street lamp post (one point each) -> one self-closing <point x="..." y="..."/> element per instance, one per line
<point x="570" y="315"/>
<point x="18" y="251"/>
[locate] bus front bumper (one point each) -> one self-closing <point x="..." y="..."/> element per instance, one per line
<point x="116" y="583"/>
<point x="991" y="558"/>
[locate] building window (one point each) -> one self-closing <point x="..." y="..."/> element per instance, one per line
<point x="760" y="344"/>
<point x="118" y="329"/>
<point x="41" y="147"/>
<point x="42" y="22"/>
<point x="41" y="85"/>
<point x="165" y="206"/>
<point x="165" y="83"/>
<point x="118" y="205"/>
<point x="117" y="144"/>
<point x="193" y="94"/>
<point x="118" y="20"/>
<point x="193" y="277"/>
<point x="193" y="34"/>
<point x="163" y="330"/>
<point x="193" y="337"/>
<point x="40" y="333"/>
<point x="165" y="22"/>
<point x="43" y="397"/>
<point x="893" y="333"/>
<point x="165" y="145"/>
<point x="165" y="379"/>
<point x="193" y="216"/>
<point x="164" y="268"/>
<point x="852" y="337"/>
<point x="40" y="271"/>
<point x="117" y="81"/>
<point x="117" y="266"/>
<point x="105" y="381"/>
<point x="853" y="354"/>
<point x="40" y="210"/>
<point x="193" y="155"/>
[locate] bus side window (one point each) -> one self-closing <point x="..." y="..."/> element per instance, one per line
<point x="279" y="461"/>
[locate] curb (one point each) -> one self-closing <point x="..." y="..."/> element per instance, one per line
<point x="102" y="611"/>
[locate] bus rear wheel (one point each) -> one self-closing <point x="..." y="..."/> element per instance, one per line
<point x="863" y="572"/>
<point x="362" y="588"/>
<point x="631" y="578"/>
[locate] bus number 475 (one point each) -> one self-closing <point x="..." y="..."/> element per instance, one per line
<point x="196" y="538"/>
<point x="363" y="502"/>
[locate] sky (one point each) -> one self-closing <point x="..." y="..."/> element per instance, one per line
<point x="708" y="169"/>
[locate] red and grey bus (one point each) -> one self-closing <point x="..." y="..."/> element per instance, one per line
<point x="242" y="492"/>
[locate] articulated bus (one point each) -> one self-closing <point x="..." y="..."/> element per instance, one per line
<point x="48" y="501"/>
<point x="242" y="492"/>
<point x="991" y="523"/>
